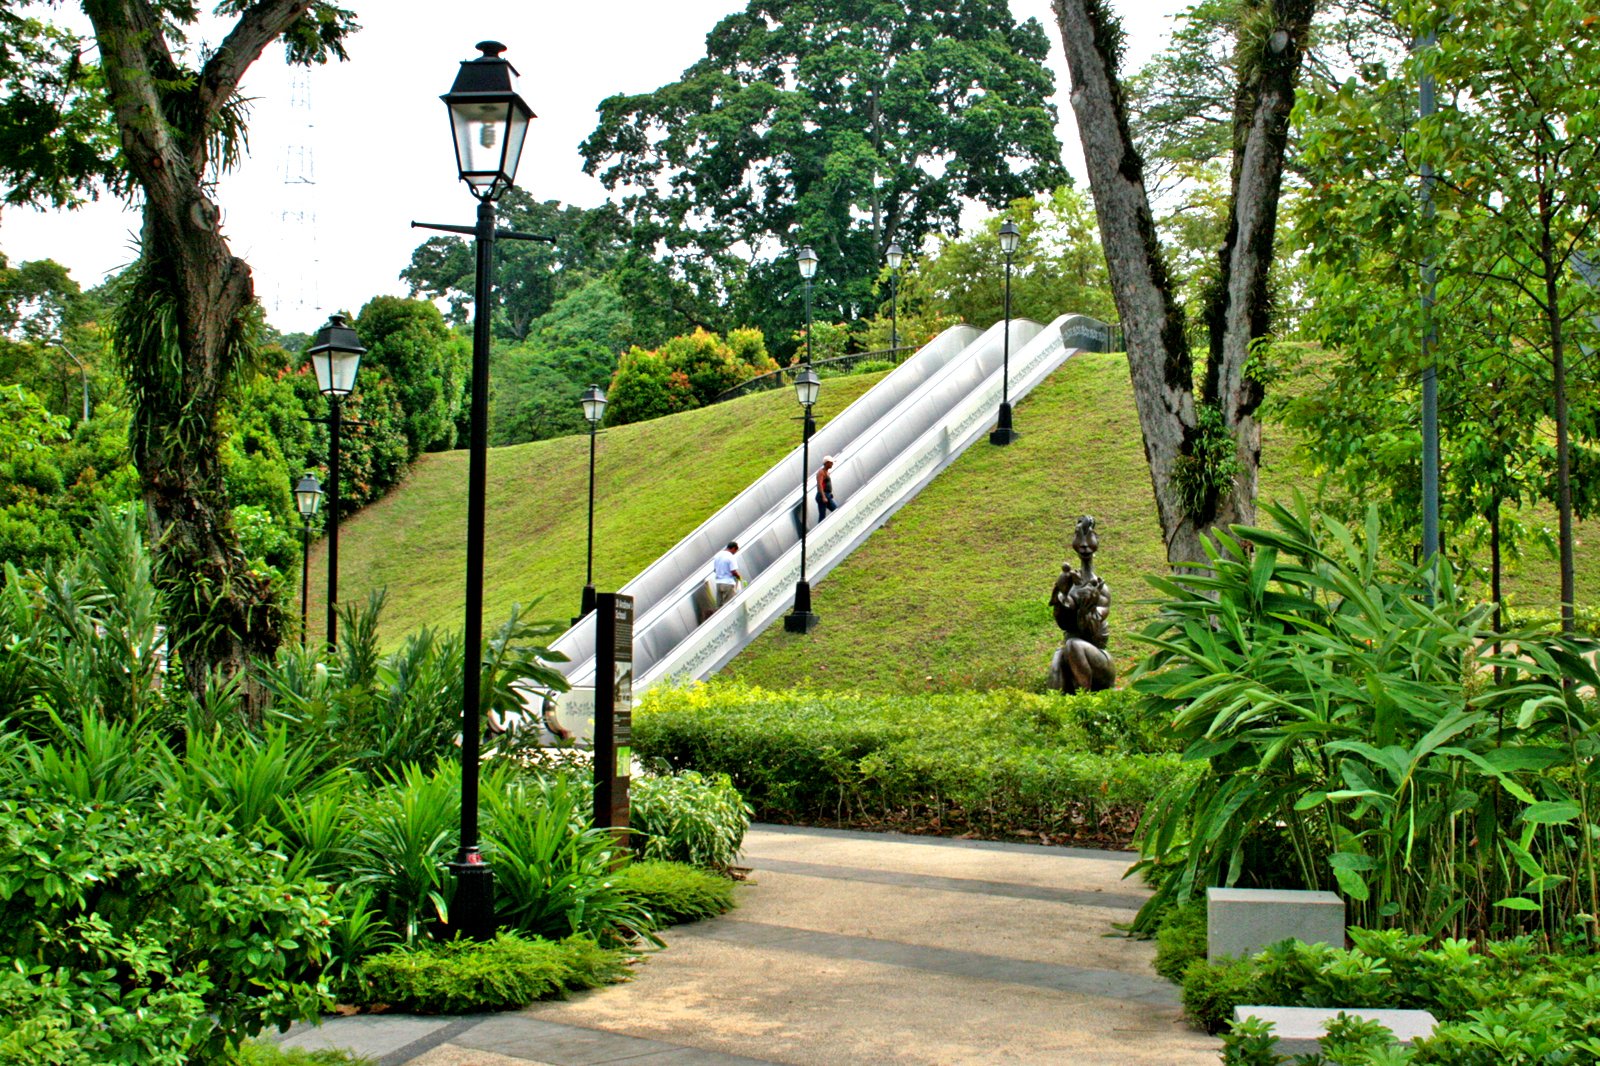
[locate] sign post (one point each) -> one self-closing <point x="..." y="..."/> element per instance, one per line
<point x="613" y="710"/>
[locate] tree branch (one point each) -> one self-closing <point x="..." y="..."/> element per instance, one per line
<point x="258" y="27"/>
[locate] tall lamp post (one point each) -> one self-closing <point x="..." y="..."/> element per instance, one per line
<point x="307" y="499"/>
<point x="894" y="254"/>
<point x="335" y="354"/>
<point x="807" y="260"/>
<point x="1002" y="432"/>
<point x="806" y="387"/>
<point x="594" y="409"/>
<point x="488" y="123"/>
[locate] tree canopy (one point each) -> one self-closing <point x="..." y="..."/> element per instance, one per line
<point x="843" y="124"/>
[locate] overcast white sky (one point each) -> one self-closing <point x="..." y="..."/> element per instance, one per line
<point x="379" y="137"/>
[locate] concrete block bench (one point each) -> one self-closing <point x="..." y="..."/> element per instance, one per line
<point x="1242" y="921"/>
<point x="1299" y="1028"/>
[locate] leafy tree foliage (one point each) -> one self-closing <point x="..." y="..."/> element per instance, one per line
<point x="844" y="124"/>
<point x="1513" y="148"/>
<point x="409" y="344"/>
<point x="1058" y="266"/>
<point x="534" y="387"/>
<point x="187" y="316"/>
<point x="530" y="276"/>
<point x="56" y="145"/>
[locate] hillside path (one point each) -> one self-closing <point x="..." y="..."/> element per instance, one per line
<point x="854" y="948"/>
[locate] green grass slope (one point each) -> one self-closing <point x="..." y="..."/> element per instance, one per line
<point x="950" y="594"/>
<point x="953" y="592"/>
<point x="654" y="483"/>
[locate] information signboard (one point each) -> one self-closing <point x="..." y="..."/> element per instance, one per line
<point x="613" y="709"/>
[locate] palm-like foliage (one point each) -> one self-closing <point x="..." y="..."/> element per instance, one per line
<point x="553" y="871"/>
<point x="1353" y="708"/>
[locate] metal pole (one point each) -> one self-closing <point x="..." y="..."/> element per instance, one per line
<point x="587" y="604"/>
<point x="334" y="413"/>
<point x="305" y="577"/>
<point x="1005" y="358"/>
<point x="800" y="619"/>
<point x="472" y="910"/>
<point x="1003" y="433"/>
<point x="894" y="310"/>
<point x="1430" y="342"/>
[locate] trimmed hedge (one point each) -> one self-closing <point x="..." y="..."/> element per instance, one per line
<point x="1003" y="763"/>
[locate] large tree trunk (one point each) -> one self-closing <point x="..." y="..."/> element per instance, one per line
<point x="183" y="322"/>
<point x="1159" y="360"/>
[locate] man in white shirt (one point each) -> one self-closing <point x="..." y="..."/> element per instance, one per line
<point x="724" y="575"/>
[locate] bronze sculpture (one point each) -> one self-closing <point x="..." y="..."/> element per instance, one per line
<point x="1081" y="602"/>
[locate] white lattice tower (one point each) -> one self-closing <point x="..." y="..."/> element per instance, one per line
<point x="295" y="299"/>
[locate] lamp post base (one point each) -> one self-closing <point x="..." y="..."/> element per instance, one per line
<point x="1002" y="432"/>
<point x="586" y="607"/>
<point x="472" y="909"/>
<point x="801" y="619"/>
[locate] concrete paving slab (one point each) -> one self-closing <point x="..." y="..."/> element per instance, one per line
<point x="935" y="916"/>
<point x="855" y="947"/>
<point x="370" y="1035"/>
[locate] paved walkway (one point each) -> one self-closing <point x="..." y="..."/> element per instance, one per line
<point x="854" y="948"/>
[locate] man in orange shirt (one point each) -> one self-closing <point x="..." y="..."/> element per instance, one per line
<point x="825" y="489"/>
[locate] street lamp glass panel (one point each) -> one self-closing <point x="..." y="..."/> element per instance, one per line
<point x="594" y="404"/>
<point x="1009" y="236"/>
<point x="808" y="262"/>
<point x="308" y="496"/>
<point x="806" y="387"/>
<point x="335" y="355"/>
<point x="488" y="122"/>
<point x="894" y="254"/>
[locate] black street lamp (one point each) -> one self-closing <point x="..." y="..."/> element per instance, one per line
<point x="807" y="259"/>
<point x="594" y="409"/>
<point x="1003" y="433"/>
<point x="335" y="354"/>
<point x="806" y="387"/>
<point x="307" y="499"/>
<point x="488" y="123"/>
<point x="894" y="254"/>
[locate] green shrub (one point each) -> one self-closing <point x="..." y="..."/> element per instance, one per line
<point x="1506" y="1003"/>
<point x="508" y="972"/>
<point x="689" y="818"/>
<point x="992" y="763"/>
<point x="872" y="366"/>
<point x="1212" y="989"/>
<point x="675" y="893"/>
<point x="1180" y="940"/>
<point x="148" y="937"/>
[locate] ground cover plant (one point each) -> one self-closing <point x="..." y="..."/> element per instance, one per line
<point x="1506" y="1002"/>
<point x="998" y="764"/>
<point x="675" y="892"/>
<point x="1361" y="722"/>
<point x="510" y="971"/>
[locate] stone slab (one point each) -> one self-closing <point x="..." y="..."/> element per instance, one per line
<point x="1299" y="1028"/>
<point x="372" y="1036"/>
<point x="1243" y="921"/>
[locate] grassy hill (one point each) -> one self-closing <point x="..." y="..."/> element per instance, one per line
<point x="654" y="483"/>
<point x="950" y="594"/>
